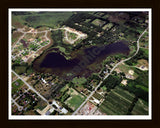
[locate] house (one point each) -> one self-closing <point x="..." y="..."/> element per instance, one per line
<point x="44" y="81"/>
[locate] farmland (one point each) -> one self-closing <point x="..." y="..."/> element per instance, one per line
<point x="80" y="63"/>
<point x="141" y="108"/>
<point x="35" y="20"/>
<point x="117" y="102"/>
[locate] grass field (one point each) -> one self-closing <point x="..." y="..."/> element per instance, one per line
<point x="20" y="69"/>
<point x="141" y="108"/>
<point x="125" y="68"/>
<point x="71" y="36"/>
<point x="16" y="85"/>
<point x="35" y="19"/>
<point x="18" y="21"/>
<point x="75" y="100"/>
<point x="142" y="62"/>
<point x="108" y="26"/>
<point x="117" y="102"/>
<point x="79" y="81"/>
<point x="98" y="22"/>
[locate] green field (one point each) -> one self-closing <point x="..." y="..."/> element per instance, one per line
<point x="141" y="108"/>
<point x="35" y="19"/>
<point x="20" y="69"/>
<point x="75" y="101"/>
<point x="125" y="68"/>
<point x="98" y="22"/>
<point x="117" y="102"/>
<point x="108" y="26"/>
<point x="79" y="81"/>
<point x="71" y="36"/>
<point x="16" y="85"/>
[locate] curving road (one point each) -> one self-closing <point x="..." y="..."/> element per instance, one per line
<point x="122" y="61"/>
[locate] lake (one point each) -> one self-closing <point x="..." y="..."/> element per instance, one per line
<point x="83" y="64"/>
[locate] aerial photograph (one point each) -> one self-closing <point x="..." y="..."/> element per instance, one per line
<point x="79" y="63"/>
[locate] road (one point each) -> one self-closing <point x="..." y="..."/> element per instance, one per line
<point x="122" y="61"/>
<point x="30" y="87"/>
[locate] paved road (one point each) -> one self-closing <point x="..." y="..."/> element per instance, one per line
<point x="30" y="87"/>
<point x="122" y="61"/>
<point x="20" y="108"/>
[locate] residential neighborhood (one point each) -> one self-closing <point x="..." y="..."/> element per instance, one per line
<point x="80" y="63"/>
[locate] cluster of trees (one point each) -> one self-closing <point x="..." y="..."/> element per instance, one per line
<point x="89" y="79"/>
<point x="111" y="82"/>
<point x="56" y="89"/>
<point x="22" y="68"/>
<point x="57" y="37"/>
<point x="66" y="106"/>
<point x="142" y="80"/>
<point x="140" y="55"/>
<point x="63" y="96"/>
<point x="32" y="102"/>
<point x="16" y="13"/>
<point x="91" y="29"/>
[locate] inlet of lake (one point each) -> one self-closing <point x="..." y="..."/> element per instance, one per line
<point x="84" y="64"/>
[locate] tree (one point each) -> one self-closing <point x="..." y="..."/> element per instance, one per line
<point x="111" y="82"/>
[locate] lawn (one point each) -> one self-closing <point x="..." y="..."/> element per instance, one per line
<point x="64" y="88"/>
<point x="125" y="68"/>
<point x="20" y="69"/>
<point x="108" y="26"/>
<point x="16" y="85"/>
<point x="75" y="99"/>
<point x="98" y="22"/>
<point x="104" y="88"/>
<point x="79" y="81"/>
<point x="43" y="43"/>
<point x="62" y="49"/>
<point x="142" y="62"/>
<point x="71" y="36"/>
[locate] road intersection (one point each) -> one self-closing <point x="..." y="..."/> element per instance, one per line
<point x="122" y="61"/>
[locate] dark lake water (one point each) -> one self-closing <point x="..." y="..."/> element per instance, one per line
<point x="55" y="62"/>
